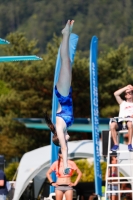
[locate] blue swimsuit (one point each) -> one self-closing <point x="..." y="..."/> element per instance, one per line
<point x="66" y="107"/>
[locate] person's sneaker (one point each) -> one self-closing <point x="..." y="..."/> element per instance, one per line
<point x="130" y="148"/>
<point x="67" y="171"/>
<point x="115" y="148"/>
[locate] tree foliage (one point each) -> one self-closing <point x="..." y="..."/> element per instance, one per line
<point x="11" y="170"/>
<point x="114" y="73"/>
<point x="87" y="170"/>
<point x="26" y="93"/>
<point x="110" y="20"/>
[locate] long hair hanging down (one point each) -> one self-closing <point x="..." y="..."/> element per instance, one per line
<point x="49" y="123"/>
<point x="59" y="152"/>
<point x="52" y="128"/>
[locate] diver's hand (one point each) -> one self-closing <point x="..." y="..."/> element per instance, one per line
<point x="67" y="137"/>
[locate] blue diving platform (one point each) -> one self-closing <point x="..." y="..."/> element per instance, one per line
<point x="79" y="125"/>
<point x="19" y="58"/>
<point x="2" y="41"/>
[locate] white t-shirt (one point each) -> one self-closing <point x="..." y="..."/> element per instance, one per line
<point x="126" y="109"/>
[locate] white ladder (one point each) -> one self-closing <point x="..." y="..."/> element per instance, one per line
<point x="119" y="164"/>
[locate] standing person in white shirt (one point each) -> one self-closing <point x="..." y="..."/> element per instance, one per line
<point x="126" y="110"/>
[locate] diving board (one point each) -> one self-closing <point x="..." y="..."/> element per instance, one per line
<point x="2" y="41"/>
<point x="19" y="58"/>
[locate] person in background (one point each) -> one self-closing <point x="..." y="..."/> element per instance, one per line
<point x="93" y="197"/>
<point x="126" y="111"/>
<point x="113" y="172"/>
<point x="63" y="91"/>
<point x="63" y="185"/>
<point x="3" y="188"/>
<point x="126" y="196"/>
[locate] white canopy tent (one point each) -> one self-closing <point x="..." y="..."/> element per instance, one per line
<point x="34" y="164"/>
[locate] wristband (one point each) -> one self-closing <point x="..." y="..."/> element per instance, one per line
<point x="52" y="182"/>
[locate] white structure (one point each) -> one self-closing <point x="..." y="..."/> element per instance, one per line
<point x="124" y="162"/>
<point x="34" y="164"/>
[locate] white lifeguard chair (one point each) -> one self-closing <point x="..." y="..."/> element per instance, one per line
<point x="129" y="163"/>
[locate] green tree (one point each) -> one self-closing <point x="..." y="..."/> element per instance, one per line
<point x="30" y="94"/>
<point x="110" y="20"/>
<point x="114" y="73"/>
<point x="87" y="170"/>
<point x="11" y="171"/>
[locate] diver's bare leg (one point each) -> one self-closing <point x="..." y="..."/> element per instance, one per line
<point x="65" y="77"/>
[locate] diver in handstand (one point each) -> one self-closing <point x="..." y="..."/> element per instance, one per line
<point x="63" y="91"/>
